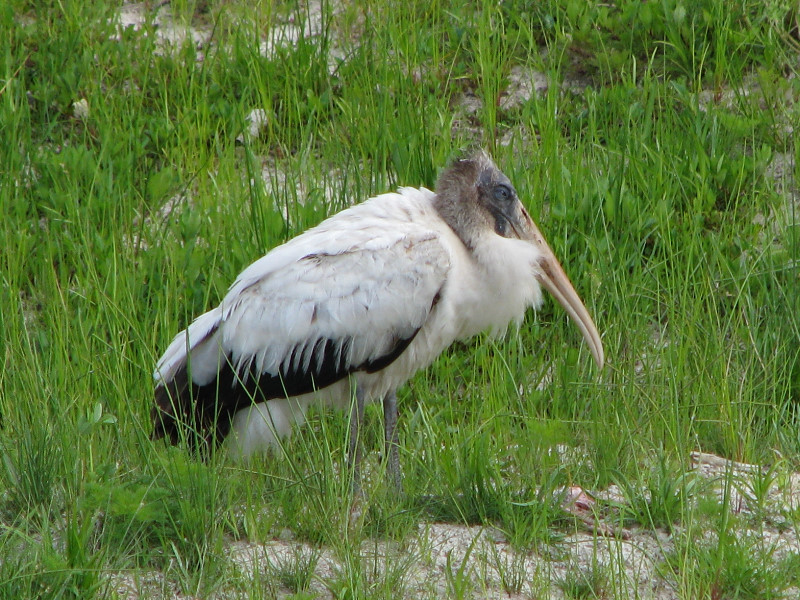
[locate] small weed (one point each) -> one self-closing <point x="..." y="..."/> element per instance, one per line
<point x="535" y="523"/>
<point x="390" y="516"/>
<point x="732" y="566"/>
<point x="177" y="517"/>
<point x="663" y="499"/>
<point x="584" y="584"/>
<point x="459" y="575"/>
<point x="59" y="562"/>
<point x="295" y="569"/>
<point x="510" y="568"/>
<point x="473" y="487"/>
<point x="388" y="568"/>
<point x="31" y="472"/>
<point x="367" y="574"/>
<point x="756" y="488"/>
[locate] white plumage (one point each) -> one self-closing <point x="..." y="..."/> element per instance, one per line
<point x="362" y="301"/>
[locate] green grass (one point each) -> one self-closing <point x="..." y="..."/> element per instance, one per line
<point x="660" y="164"/>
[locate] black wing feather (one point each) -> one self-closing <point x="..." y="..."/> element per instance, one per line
<point x="202" y="414"/>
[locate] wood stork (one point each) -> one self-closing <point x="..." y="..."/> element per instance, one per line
<point x="357" y="305"/>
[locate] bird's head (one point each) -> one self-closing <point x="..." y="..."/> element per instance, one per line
<point x="476" y="199"/>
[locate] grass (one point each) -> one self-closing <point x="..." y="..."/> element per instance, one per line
<point x="660" y="162"/>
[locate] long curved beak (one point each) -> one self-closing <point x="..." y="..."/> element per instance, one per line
<point x="552" y="276"/>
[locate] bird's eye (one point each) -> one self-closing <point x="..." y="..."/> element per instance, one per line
<point x="502" y="193"/>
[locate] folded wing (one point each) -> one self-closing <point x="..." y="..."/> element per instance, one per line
<point x="303" y="317"/>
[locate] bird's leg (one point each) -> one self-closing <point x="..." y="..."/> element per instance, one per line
<point x="354" y="451"/>
<point x="390" y="439"/>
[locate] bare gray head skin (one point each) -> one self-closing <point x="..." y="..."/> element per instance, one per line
<point x="476" y="199"/>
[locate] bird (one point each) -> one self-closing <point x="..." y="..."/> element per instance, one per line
<point x="345" y="313"/>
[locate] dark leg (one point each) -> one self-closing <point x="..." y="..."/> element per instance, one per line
<point x="390" y="439"/>
<point x="354" y="451"/>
